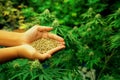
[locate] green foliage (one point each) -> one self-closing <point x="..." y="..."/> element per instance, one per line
<point x="9" y="15"/>
<point x="91" y="36"/>
<point x="68" y="11"/>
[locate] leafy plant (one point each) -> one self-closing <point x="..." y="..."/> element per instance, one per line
<point x="91" y="36"/>
<point x="9" y="15"/>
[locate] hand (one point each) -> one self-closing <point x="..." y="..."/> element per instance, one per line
<point x="37" y="32"/>
<point x="27" y="51"/>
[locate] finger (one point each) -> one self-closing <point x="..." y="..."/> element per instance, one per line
<point x="55" y="49"/>
<point x="55" y="37"/>
<point x="61" y="42"/>
<point x="43" y="28"/>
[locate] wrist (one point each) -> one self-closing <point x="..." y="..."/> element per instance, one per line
<point x="23" y="39"/>
<point x="25" y="51"/>
<point x="19" y="51"/>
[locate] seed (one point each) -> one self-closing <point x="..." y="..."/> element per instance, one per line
<point x="44" y="44"/>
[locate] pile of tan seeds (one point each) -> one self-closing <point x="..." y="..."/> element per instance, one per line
<point x="44" y="44"/>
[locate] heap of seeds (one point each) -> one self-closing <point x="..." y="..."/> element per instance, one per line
<point x="44" y="44"/>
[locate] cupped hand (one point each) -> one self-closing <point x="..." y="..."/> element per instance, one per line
<point x="35" y="33"/>
<point x="27" y="51"/>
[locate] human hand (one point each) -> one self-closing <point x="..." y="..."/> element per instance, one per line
<point x="27" y="51"/>
<point x="37" y="32"/>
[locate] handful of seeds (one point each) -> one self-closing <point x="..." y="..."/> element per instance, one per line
<point x="44" y="44"/>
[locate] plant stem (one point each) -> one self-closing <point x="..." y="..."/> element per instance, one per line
<point x="106" y="61"/>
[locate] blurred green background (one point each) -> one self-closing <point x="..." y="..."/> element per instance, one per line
<point x="91" y="29"/>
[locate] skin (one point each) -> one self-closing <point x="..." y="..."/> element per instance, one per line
<point x="18" y="44"/>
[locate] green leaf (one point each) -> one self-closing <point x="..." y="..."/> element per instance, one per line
<point x="25" y="76"/>
<point x="17" y="75"/>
